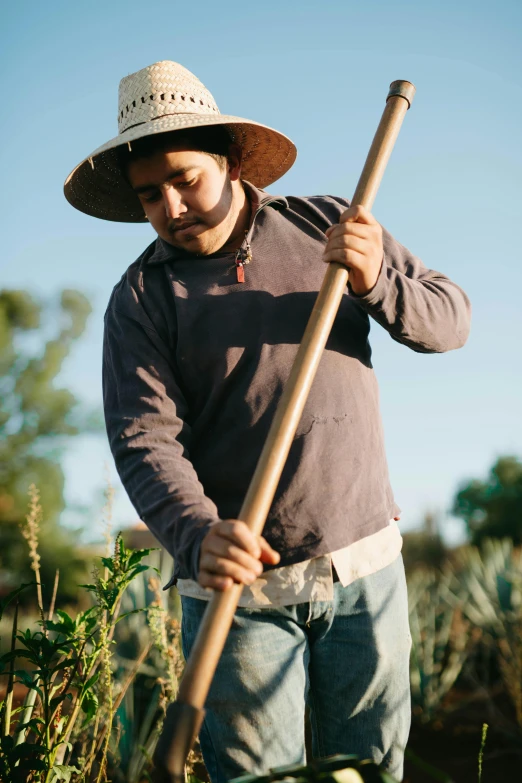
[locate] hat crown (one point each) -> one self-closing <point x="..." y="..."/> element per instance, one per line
<point x="164" y="88"/>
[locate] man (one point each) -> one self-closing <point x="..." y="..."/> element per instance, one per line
<point x="200" y="335"/>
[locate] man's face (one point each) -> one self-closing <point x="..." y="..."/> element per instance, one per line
<point x="187" y="198"/>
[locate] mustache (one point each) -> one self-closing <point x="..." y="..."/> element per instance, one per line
<point x="176" y="225"/>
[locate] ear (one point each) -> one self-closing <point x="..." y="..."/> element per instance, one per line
<point x="234" y="161"/>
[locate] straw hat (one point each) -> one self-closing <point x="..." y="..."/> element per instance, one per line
<point x="166" y="97"/>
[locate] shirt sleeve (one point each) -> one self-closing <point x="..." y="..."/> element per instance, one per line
<point x="419" y="307"/>
<point x="145" y="415"/>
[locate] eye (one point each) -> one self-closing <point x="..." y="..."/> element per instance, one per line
<point x="149" y="199"/>
<point x="186" y="183"/>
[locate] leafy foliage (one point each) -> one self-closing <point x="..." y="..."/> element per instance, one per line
<point x="440" y="640"/>
<point x="424" y="547"/>
<point x="141" y="712"/>
<point x="474" y="602"/>
<point x="491" y="580"/>
<point x="493" y="508"/>
<point x="36" y="419"/>
<point x="66" y="668"/>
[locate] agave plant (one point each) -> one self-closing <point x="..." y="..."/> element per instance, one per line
<point x="492" y="579"/>
<point x="480" y="591"/>
<point x="440" y="640"/>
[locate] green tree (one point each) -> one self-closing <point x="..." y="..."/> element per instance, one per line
<point x="424" y="548"/>
<point x="493" y="508"/>
<point x="36" y="420"/>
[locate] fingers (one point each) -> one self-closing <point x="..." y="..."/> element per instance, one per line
<point x="221" y="549"/>
<point x="361" y="230"/>
<point x="347" y="242"/>
<point x="231" y="553"/>
<point x="353" y="218"/>
<point x="357" y="214"/>
<point x="347" y="249"/>
<point x="356" y="242"/>
<point x="220" y="572"/>
<point x="268" y="555"/>
<point x="239" y="534"/>
<point x="361" y="238"/>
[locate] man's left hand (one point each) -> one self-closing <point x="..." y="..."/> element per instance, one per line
<point x="356" y="242"/>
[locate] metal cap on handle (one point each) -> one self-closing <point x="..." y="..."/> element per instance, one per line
<point x="403" y="89"/>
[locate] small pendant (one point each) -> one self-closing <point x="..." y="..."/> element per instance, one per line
<point x="240" y="273"/>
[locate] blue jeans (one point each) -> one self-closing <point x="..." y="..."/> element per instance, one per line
<point x="347" y="659"/>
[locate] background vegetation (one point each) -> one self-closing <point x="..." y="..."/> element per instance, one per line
<point x="37" y="419"/>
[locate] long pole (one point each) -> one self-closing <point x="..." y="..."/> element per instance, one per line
<point x="185" y="715"/>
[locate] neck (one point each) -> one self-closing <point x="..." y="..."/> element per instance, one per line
<point x="241" y="209"/>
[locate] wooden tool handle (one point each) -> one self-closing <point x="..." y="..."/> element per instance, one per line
<point x="217" y="620"/>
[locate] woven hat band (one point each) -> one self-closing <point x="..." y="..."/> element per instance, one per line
<point x="167" y="114"/>
<point x="162" y="89"/>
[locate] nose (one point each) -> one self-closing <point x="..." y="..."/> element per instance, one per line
<point x="174" y="206"/>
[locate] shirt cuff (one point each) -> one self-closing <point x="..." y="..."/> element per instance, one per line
<point x="376" y="294"/>
<point x="191" y="569"/>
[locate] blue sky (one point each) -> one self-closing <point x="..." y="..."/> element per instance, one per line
<point x="319" y="72"/>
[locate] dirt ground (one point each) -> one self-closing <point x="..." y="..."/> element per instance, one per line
<point x="451" y="747"/>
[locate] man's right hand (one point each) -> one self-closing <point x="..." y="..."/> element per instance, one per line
<point x="230" y="553"/>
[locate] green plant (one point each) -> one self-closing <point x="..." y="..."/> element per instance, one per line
<point x="492" y="580"/>
<point x="140" y="714"/>
<point x="481" y="750"/>
<point x="510" y="661"/>
<point x="440" y="640"/>
<point x="37" y="419"/>
<point x="63" y="729"/>
<point x="492" y="508"/>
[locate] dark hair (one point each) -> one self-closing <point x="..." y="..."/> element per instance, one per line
<point x="213" y="140"/>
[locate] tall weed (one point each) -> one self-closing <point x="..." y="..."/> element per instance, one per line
<point x="68" y="725"/>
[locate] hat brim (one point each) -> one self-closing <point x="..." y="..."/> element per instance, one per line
<point x="97" y="186"/>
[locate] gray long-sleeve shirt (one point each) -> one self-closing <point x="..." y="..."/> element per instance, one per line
<point x="195" y="362"/>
